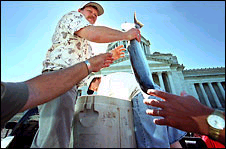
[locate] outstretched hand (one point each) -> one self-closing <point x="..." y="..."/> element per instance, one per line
<point x="117" y="52"/>
<point x="101" y="61"/>
<point x="183" y="112"/>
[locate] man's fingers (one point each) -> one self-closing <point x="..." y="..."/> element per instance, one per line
<point x="160" y="121"/>
<point x="119" y="47"/>
<point x="161" y="94"/>
<point x="155" y="112"/>
<point x="138" y="38"/>
<point x="123" y="49"/>
<point x="154" y="103"/>
<point x="107" y="64"/>
<point x="108" y="61"/>
<point x="122" y="55"/>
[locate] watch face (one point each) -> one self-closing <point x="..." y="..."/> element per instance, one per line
<point x="216" y="122"/>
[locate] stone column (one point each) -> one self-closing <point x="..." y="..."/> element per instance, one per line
<point x="205" y="95"/>
<point x="214" y="95"/>
<point x="195" y="92"/>
<point x="161" y="80"/>
<point x="221" y="89"/>
<point x="145" y="52"/>
<point x="171" y="82"/>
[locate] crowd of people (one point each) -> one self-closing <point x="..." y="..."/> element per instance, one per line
<point x="68" y="63"/>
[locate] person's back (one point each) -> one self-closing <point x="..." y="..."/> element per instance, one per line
<point x="120" y="85"/>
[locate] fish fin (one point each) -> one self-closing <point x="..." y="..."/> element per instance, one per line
<point x="137" y="22"/>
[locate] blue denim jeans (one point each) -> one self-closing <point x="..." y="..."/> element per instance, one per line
<point x="148" y="134"/>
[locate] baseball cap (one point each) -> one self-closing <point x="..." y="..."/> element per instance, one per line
<point x="100" y="9"/>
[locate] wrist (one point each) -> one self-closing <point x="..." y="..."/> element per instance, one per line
<point x="203" y="127"/>
<point x="124" y="36"/>
<point x="88" y="65"/>
<point x="208" y="112"/>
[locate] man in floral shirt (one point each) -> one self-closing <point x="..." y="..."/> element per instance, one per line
<point x="70" y="46"/>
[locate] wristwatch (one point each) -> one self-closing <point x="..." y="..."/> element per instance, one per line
<point x="216" y="124"/>
<point x="88" y="66"/>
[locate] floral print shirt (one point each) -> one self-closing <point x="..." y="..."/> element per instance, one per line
<point x="68" y="48"/>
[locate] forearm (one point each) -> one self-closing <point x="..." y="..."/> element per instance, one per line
<point x="101" y="34"/>
<point x="45" y="87"/>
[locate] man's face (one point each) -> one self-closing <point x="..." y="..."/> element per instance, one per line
<point x="90" y="13"/>
<point x="94" y="86"/>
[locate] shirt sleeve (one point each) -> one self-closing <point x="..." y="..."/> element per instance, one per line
<point x="74" y="21"/>
<point x="13" y="97"/>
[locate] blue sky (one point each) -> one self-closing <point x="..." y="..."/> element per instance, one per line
<point x="192" y="31"/>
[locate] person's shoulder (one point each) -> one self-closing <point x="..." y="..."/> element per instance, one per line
<point x="75" y="13"/>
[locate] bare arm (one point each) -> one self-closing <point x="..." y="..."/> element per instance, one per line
<point x="182" y="112"/>
<point x="102" y="34"/>
<point x="46" y="87"/>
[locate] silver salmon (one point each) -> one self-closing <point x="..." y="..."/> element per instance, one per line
<point x="139" y="62"/>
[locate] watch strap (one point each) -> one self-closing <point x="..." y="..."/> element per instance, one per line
<point x="218" y="112"/>
<point x="214" y="133"/>
<point x="88" y="66"/>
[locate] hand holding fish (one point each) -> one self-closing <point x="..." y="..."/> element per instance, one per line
<point x="117" y="52"/>
<point x="133" y="34"/>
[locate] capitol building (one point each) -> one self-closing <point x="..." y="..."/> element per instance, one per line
<point x="207" y="85"/>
